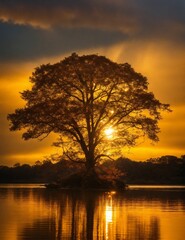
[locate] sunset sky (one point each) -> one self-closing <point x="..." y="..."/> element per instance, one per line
<point x="148" y="34"/>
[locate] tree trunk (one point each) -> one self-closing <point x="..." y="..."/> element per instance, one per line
<point x="90" y="163"/>
<point x="90" y="177"/>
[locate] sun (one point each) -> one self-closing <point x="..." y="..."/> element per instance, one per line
<point x="109" y="132"/>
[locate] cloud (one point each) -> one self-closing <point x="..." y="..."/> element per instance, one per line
<point x="18" y="43"/>
<point x="47" y="14"/>
<point x="128" y="16"/>
<point x="36" y="29"/>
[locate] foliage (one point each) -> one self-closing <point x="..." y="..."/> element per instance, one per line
<point x="82" y="97"/>
<point x="129" y="171"/>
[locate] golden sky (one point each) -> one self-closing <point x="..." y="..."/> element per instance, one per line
<point x="150" y="35"/>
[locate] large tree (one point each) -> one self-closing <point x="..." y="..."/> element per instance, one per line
<point x="92" y="103"/>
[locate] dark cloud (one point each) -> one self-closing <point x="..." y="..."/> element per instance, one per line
<point x="44" y="14"/>
<point x="32" y="29"/>
<point x="23" y="42"/>
<point x="127" y="16"/>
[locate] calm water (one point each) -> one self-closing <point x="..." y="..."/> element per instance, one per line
<point x="31" y="212"/>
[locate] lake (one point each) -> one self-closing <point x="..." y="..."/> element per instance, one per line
<point x="31" y="212"/>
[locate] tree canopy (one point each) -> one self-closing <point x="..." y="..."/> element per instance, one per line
<point x="94" y="105"/>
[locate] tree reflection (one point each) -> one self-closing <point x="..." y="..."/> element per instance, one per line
<point x="40" y="229"/>
<point x="79" y="215"/>
<point x="139" y="229"/>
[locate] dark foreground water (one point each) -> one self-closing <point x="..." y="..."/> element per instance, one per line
<point x="31" y="212"/>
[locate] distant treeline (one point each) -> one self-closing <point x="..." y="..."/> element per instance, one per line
<point x="162" y="170"/>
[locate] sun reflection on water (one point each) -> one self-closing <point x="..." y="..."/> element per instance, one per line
<point x="109" y="215"/>
<point x="133" y="214"/>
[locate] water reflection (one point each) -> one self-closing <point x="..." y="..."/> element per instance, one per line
<point x="36" y="214"/>
<point x="108" y="216"/>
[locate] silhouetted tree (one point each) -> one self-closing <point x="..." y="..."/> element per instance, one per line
<point x="92" y="103"/>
